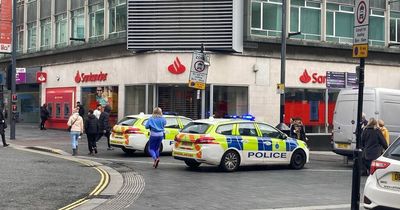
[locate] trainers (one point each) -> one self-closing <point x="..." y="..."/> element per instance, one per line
<point x="156" y="162"/>
<point x="110" y="148"/>
<point x="6" y="145"/>
<point x="95" y="150"/>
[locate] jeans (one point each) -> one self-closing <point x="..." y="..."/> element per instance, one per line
<point x="154" y="146"/>
<point x="74" y="138"/>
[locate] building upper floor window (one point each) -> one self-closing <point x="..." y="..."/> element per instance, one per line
<point x="20" y="34"/>
<point x="78" y="24"/>
<point x="31" y="36"/>
<point x="377" y="27"/>
<point x="45" y="34"/>
<point x="61" y="30"/>
<point x="339" y="23"/>
<point x="266" y="18"/>
<point x="96" y="20"/>
<point x="305" y="17"/>
<point x="394" y="26"/>
<point x="117" y="16"/>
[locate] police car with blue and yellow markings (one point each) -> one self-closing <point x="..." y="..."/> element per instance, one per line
<point x="232" y="143"/>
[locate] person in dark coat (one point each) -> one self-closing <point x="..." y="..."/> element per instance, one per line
<point x="92" y="131"/>
<point x="3" y="126"/>
<point x="81" y="109"/>
<point x="372" y="143"/>
<point x="44" y="115"/>
<point x="105" y="128"/>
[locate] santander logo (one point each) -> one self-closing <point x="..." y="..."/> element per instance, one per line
<point x="314" y="78"/>
<point x="177" y="67"/>
<point x="90" y="77"/>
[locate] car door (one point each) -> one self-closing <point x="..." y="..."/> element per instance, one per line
<point x="275" y="148"/>
<point x="249" y="138"/>
<point x="171" y="130"/>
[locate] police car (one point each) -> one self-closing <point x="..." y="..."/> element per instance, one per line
<point x="232" y="143"/>
<point x="130" y="133"/>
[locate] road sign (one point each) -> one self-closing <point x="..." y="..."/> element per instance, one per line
<point x="14" y="98"/>
<point x="352" y="80"/>
<point x="199" y="70"/>
<point x="360" y="51"/>
<point x="20" y="76"/>
<point x="335" y="79"/>
<point x="361" y="29"/>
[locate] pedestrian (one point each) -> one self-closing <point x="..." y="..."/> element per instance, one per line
<point x="97" y="111"/>
<point x="372" y="143"/>
<point x="104" y="124"/>
<point x="92" y="131"/>
<point x="81" y="109"/>
<point x="75" y="123"/>
<point x="384" y="131"/>
<point x="297" y="129"/>
<point x="156" y="124"/>
<point x="364" y="121"/>
<point x="3" y="126"/>
<point x="44" y="115"/>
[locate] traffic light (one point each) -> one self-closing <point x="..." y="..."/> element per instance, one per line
<point x="9" y="72"/>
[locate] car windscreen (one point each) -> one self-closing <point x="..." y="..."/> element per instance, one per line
<point x="196" y="127"/>
<point x="393" y="152"/>
<point x="128" y="121"/>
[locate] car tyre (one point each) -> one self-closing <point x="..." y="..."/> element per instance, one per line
<point x="128" y="151"/>
<point x="298" y="160"/>
<point x="230" y="161"/>
<point x="192" y="164"/>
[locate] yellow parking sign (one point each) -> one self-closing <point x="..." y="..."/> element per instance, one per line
<point x="360" y="51"/>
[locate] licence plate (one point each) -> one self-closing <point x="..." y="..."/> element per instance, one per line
<point x="396" y="176"/>
<point x="343" y="146"/>
<point x="185" y="143"/>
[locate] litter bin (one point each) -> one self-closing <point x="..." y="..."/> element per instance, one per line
<point x="284" y="128"/>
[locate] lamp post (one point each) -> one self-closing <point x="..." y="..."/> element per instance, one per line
<point x="281" y="125"/>
<point x="13" y="71"/>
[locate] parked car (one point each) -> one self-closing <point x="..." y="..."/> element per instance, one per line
<point x="231" y="143"/>
<point x="130" y="133"/>
<point x="382" y="189"/>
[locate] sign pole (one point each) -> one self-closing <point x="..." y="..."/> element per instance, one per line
<point x="13" y="67"/>
<point x="355" y="194"/>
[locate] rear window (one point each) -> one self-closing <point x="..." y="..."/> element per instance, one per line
<point x="128" y="121"/>
<point x="195" y="127"/>
<point x="393" y="152"/>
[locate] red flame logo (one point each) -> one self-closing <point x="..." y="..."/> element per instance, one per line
<point x="305" y="78"/>
<point x="78" y="77"/>
<point x="177" y="67"/>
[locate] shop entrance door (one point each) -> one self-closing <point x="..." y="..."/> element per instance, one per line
<point x="179" y="99"/>
<point x="60" y="102"/>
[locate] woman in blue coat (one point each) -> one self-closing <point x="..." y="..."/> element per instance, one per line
<point x="156" y="124"/>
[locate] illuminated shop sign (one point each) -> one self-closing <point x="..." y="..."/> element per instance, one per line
<point x="91" y="77"/>
<point x="314" y="78"/>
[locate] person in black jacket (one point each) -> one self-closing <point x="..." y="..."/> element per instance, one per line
<point x="3" y="126"/>
<point x="44" y="115"/>
<point x="92" y="131"/>
<point x="105" y="128"/>
<point x="81" y="109"/>
<point x="372" y="143"/>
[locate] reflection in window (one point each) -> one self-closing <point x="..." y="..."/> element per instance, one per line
<point x="185" y="121"/>
<point x="58" y="110"/>
<point x="268" y="131"/>
<point x="394" y="26"/>
<point x="230" y="101"/>
<point x="50" y="109"/>
<point x="66" y="110"/>
<point x="247" y="129"/>
<point x="171" y="122"/>
<point x="225" y="129"/>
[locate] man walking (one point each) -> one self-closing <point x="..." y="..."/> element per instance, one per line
<point x="44" y="115"/>
<point x="97" y="111"/>
<point x="3" y="125"/>
<point x="81" y="109"/>
<point x="104" y="124"/>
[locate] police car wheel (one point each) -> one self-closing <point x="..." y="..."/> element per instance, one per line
<point x="192" y="163"/>
<point x="128" y="151"/>
<point x="230" y="161"/>
<point x="298" y="160"/>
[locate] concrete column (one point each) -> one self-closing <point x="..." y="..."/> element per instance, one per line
<point x="86" y="15"/>
<point x="323" y="20"/>
<point x="106" y="19"/>
<point x="387" y="24"/>
<point x="38" y="25"/>
<point x="25" y="47"/>
<point x="69" y="22"/>
<point x="53" y="24"/>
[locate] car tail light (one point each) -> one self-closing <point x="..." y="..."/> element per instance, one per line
<point x="206" y="140"/>
<point x="177" y="139"/>
<point x="133" y="131"/>
<point x="376" y="164"/>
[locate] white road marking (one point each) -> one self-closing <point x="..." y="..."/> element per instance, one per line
<point x="339" y="206"/>
<point x="327" y="170"/>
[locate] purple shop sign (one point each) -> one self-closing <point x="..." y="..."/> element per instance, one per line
<point x="20" y="76"/>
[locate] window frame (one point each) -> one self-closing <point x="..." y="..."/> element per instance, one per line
<point x="228" y="124"/>
<point x="114" y="7"/>
<point x="59" y="23"/>
<point x="44" y="24"/>
<point x="31" y="36"/>
<point x="341" y="9"/>
<point x="257" y="134"/>
<point x="94" y="13"/>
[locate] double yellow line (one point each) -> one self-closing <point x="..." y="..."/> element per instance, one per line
<point x="104" y="180"/>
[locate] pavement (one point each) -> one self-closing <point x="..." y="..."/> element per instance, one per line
<point x="37" y="154"/>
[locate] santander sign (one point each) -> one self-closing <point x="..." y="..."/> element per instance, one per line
<point x="314" y="78"/>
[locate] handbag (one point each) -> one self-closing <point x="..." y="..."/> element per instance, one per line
<point x="69" y="127"/>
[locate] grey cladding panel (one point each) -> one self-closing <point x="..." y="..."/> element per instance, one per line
<point x="76" y="4"/>
<point x="180" y="24"/>
<point x="61" y="6"/>
<point x="32" y="11"/>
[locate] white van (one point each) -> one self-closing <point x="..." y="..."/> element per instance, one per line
<point x="379" y="103"/>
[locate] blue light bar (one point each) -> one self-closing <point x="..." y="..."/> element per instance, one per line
<point x="248" y="117"/>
